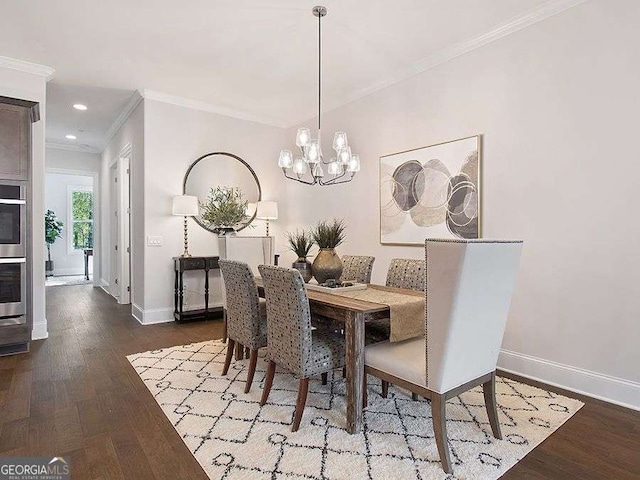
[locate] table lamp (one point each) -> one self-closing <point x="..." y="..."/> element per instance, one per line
<point x="267" y="211"/>
<point x="186" y="206"/>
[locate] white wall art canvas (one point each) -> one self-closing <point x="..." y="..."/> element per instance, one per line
<point x="431" y="192"/>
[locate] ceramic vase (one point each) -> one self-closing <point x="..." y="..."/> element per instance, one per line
<point x="304" y="267"/>
<point x="327" y="265"/>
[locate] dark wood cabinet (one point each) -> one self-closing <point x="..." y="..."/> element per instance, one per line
<point x="181" y="265"/>
<point x="15" y="141"/>
<point x="16" y="117"/>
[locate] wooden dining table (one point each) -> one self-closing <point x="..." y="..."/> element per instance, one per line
<point x="354" y="314"/>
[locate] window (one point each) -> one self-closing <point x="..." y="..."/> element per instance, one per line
<point x="81" y="218"/>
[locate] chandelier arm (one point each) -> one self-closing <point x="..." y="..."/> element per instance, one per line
<point x="298" y="179"/>
<point x="333" y="180"/>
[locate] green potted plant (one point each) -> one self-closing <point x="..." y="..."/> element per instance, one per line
<point x="301" y="243"/>
<point x="52" y="231"/>
<point x="224" y="209"/>
<point x="327" y="264"/>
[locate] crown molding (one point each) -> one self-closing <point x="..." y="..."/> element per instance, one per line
<point x="72" y="148"/>
<point x="206" y="107"/>
<point x="131" y="105"/>
<point x="531" y="17"/>
<point x="27" y="67"/>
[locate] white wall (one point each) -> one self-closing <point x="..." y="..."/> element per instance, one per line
<point x="557" y="104"/>
<point x="29" y="86"/>
<point x="57" y="188"/>
<point x="176" y="136"/>
<point x="60" y="159"/>
<point x="130" y="133"/>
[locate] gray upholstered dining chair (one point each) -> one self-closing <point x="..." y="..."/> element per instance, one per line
<point x="357" y="268"/>
<point x="406" y="273"/>
<point x="469" y="284"/>
<point x="292" y="344"/>
<point x="246" y="315"/>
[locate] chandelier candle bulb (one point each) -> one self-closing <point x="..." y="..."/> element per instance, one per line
<point x="335" y="168"/>
<point x="312" y="149"/>
<point x="312" y="152"/>
<point x="339" y="141"/>
<point x="345" y="155"/>
<point x="299" y="166"/>
<point x="354" y="163"/>
<point x="286" y="159"/>
<point x="303" y="137"/>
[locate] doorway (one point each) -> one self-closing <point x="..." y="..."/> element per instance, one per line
<point x="120" y="213"/>
<point x="70" y="199"/>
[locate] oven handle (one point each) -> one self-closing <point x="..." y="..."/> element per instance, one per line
<point x="12" y="201"/>
<point x="13" y="260"/>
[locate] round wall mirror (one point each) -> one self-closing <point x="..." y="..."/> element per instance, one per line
<point x="220" y="169"/>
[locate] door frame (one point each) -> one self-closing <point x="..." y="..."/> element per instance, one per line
<point x="122" y="204"/>
<point x="97" y="243"/>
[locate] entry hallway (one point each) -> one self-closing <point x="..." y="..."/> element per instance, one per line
<point x="77" y="393"/>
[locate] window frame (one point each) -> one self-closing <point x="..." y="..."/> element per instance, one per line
<point x="70" y="221"/>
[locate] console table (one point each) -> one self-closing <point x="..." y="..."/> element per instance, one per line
<point x="181" y="265"/>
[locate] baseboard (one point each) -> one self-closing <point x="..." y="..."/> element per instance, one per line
<point x="64" y="272"/>
<point x="585" y="382"/>
<point x="39" y="331"/>
<point x="151" y="316"/>
<point x="159" y="315"/>
<point x="104" y="285"/>
<point x="137" y="313"/>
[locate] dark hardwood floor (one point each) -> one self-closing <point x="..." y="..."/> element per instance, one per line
<point x="75" y="395"/>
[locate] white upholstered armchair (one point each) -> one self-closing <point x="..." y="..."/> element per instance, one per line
<point x="469" y="288"/>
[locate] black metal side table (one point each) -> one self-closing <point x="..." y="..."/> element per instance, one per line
<point x="181" y="265"/>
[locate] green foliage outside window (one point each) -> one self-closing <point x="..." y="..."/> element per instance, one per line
<point x="82" y="214"/>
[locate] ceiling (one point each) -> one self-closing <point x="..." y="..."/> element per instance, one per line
<point x="240" y="56"/>
<point x="90" y="126"/>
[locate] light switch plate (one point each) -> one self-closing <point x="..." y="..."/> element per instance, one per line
<point x="154" y="240"/>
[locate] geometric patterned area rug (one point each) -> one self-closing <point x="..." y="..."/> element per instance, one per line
<point x="232" y="437"/>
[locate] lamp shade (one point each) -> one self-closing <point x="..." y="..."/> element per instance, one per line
<point x="185" y="205"/>
<point x="267" y="211"/>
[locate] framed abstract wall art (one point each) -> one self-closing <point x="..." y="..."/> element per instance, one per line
<point x="431" y="192"/>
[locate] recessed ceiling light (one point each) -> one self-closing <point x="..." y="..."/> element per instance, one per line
<point x="71" y="137"/>
<point x="79" y="106"/>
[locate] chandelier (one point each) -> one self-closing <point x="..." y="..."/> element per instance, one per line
<point x="309" y="167"/>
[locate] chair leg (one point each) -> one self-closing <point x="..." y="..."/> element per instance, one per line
<point x="489" y="390"/>
<point x="239" y="351"/>
<point x="247" y="352"/>
<point x="365" y="395"/>
<point x="414" y="396"/>
<point x="344" y="372"/>
<point x="253" y="360"/>
<point x="385" y="389"/>
<point x="224" y="326"/>
<point x="325" y="378"/>
<point x="268" y="381"/>
<point x="227" y="360"/>
<point x="303" y="388"/>
<point x="438" y="413"/>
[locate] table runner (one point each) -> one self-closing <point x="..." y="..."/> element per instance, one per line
<point x="406" y="311"/>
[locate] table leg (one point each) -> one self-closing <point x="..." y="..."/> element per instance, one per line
<point x="206" y="293"/>
<point x="86" y="265"/>
<point x="354" y="344"/>
<point x="181" y="294"/>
